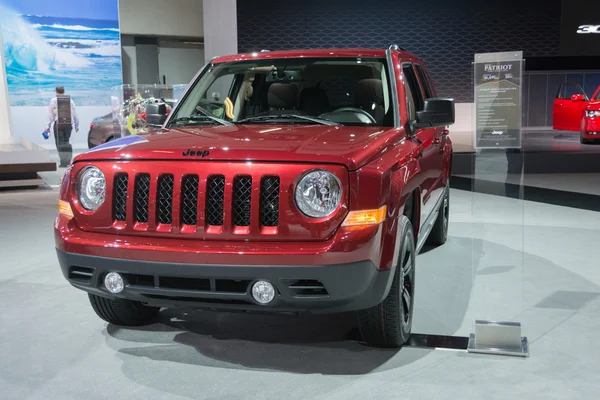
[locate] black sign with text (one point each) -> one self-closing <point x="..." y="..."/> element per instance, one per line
<point x="580" y="28"/>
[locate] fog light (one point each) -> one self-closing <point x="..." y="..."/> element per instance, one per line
<point x="263" y="292"/>
<point x="114" y="282"/>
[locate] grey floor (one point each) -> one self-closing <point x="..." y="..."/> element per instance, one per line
<point x="505" y="260"/>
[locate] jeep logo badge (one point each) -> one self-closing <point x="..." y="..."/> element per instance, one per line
<point x="195" y="153"/>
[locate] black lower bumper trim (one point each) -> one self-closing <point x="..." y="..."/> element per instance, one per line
<point x="316" y="289"/>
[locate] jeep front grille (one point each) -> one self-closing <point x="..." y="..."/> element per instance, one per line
<point x="269" y="201"/>
<point x="164" y="199"/>
<point x="120" y="197"/>
<point x="215" y="196"/>
<point x="191" y="202"/>
<point x="242" y="191"/>
<point x="142" y="197"/>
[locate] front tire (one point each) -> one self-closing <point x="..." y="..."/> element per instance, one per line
<point x="439" y="232"/>
<point x="122" y="311"/>
<point x="389" y="323"/>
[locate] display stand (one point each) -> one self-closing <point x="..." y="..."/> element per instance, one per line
<point x="130" y="104"/>
<point x="497" y="220"/>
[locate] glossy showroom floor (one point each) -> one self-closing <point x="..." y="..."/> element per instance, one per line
<point x="52" y="346"/>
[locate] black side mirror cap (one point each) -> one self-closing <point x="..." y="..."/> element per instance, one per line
<point x="436" y="112"/>
<point x="156" y="114"/>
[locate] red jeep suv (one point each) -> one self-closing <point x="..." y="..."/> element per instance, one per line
<point x="284" y="181"/>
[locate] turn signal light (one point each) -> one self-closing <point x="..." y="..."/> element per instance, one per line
<point x="366" y="217"/>
<point x="64" y="208"/>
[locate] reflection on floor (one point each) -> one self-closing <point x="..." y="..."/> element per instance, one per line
<point x="54" y="347"/>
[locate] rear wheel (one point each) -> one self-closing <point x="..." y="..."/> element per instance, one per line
<point x="439" y="232"/>
<point x="122" y="311"/>
<point x="389" y="323"/>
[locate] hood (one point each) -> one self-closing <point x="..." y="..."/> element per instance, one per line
<point x="350" y="146"/>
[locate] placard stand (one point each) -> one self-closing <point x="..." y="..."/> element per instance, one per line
<point x="499" y="338"/>
<point x="498" y="220"/>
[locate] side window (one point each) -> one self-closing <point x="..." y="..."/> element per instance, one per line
<point x="424" y="81"/>
<point x="415" y="89"/>
<point x="410" y="102"/>
<point x="567" y="90"/>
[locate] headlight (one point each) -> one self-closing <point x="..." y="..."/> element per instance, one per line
<point x="92" y="188"/>
<point x="592" y="113"/>
<point x="318" y="194"/>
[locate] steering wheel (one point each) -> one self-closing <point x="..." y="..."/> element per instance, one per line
<point x="356" y="110"/>
<point x="214" y="108"/>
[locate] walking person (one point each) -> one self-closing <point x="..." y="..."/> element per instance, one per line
<point x="64" y="120"/>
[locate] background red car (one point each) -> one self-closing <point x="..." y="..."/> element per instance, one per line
<point x="574" y="111"/>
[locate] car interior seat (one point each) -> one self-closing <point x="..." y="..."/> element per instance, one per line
<point x="283" y="96"/>
<point x="368" y="96"/>
<point x="314" y="101"/>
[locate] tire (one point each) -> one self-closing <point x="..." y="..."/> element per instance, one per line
<point x="583" y="141"/>
<point x="389" y="323"/>
<point x="439" y="232"/>
<point x="123" y="312"/>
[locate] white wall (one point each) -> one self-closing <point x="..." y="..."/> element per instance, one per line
<point x="32" y="121"/>
<point x="220" y="28"/>
<point x="179" y="64"/>
<point x="162" y="17"/>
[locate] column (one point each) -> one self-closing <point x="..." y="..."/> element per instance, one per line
<point x="220" y="28"/>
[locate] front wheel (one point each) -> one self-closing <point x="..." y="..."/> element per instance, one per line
<point x="388" y="324"/>
<point x="122" y="311"/>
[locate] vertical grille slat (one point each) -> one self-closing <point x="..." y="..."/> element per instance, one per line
<point x="142" y="197"/>
<point x="215" y="196"/>
<point x="242" y="191"/>
<point x="189" y="200"/>
<point x="164" y="199"/>
<point x="120" y="197"/>
<point x="269" y="201"/>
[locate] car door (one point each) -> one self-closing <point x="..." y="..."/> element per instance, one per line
<point x="439" y="140"/>
<point x="430" y="160"/>
<point x="596" y="95"/>
<point x="568" y="107"/>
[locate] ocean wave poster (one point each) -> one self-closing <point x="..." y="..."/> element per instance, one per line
<point x="73" y="43"/>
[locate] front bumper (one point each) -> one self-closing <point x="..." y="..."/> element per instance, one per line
<point x="590" y="128"/>
<point x="316" y="289"/>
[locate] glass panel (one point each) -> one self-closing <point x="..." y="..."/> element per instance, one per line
<point x="129" y="106"/>
<point x="497" y="209"/>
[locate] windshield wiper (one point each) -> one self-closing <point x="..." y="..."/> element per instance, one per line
<point x="203" y="117"/>
<point x="288" y="116"/>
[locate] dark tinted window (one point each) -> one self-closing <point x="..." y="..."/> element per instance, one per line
<point x="424" y="81"/>
<point x="413" y="83"/>
<point x="569" y="89"/>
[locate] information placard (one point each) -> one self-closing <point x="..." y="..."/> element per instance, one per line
<point x="498" y="78"/>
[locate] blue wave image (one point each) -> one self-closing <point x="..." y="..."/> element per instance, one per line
<point x="40" y="53"/>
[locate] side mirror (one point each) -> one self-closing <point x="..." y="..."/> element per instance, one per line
<point x="578" y="97"/>
<point x="156" y="114"/>
<point x="436" y="112"/>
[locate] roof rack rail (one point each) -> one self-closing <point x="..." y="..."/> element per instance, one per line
<point x="396" y="47"/>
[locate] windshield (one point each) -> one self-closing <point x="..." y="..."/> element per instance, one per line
<point x="293" y="91"/>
